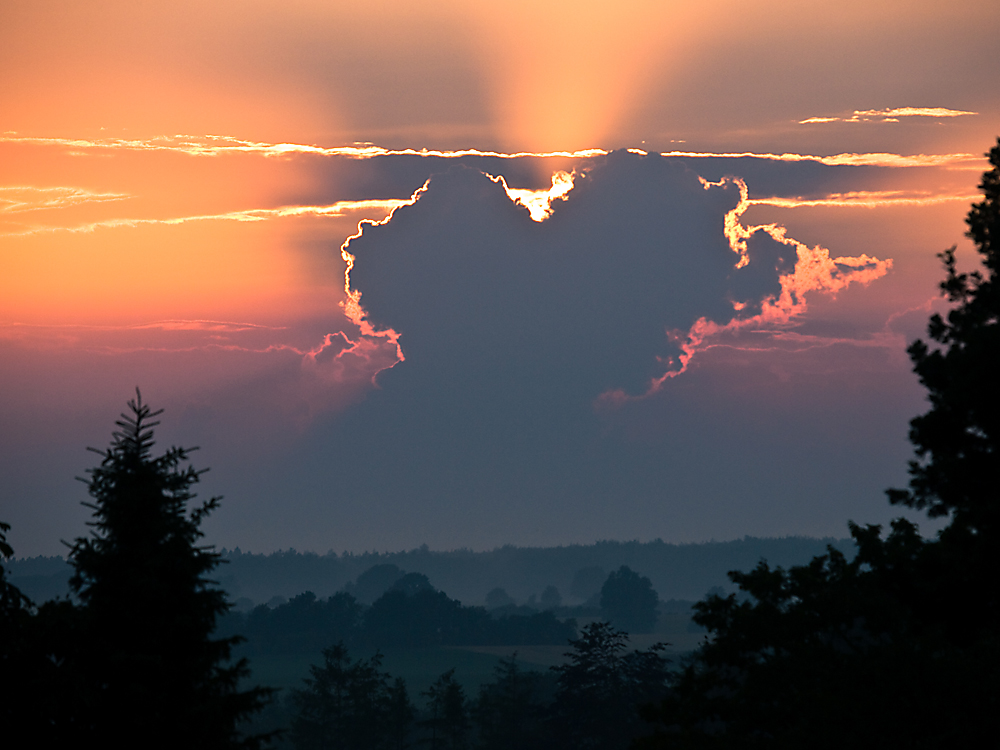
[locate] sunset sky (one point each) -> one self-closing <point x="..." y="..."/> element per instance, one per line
<point x="468" y="274"/>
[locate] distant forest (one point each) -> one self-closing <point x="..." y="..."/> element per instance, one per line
<point x="677" y="571"/>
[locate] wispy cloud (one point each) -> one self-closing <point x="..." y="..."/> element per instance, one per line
<point x="165" y="325"/>
<point x="866" y="199"/>
<point x="340" y="208"/>
<point x="889" y="115"/>
<point x="969" y="161"/>
<point x="218" y="145"/>
<point x="21" y="198"/>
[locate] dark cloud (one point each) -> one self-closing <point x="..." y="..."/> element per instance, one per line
<point x="493" y="430"/>
<point x="512" y="330"/>
<point x="575" y="305"/>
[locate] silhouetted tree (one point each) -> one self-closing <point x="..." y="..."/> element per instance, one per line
<point x="375" y="581"/>
<point x="425" y="618"/>
<point x="448" y="714"/>
<point x="507" y="713"/>
<point x="38" y="687"/>
<point x="629" y="601"/>
<point x="302" y="625"/>
<point x="11" y="598"/>
<point x="15" y="614"/>
<point x="600" y="690"/>
<point x="411" y="583"/>
<point x="400" y="715"/>
<point x="152" y="671"/>
<point x="498" y="597"/>
<point x="827" y="655"/>
<point x="956" y="472"/>
<point x="17" y="661"/>
<point x="349" y="705"/>
<point x="898" y="647"/>
<point x="957" y="441"/>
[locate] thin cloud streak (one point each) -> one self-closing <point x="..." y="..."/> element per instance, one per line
<point x="22" y="198"/>
<point x="216" y="145"/>
<point x="960" y="161"/>
<point x="864" y="199"/>
<point x="338" y="209"/>
<point x="889" y="115"/>
<point x="166" y="325"/>
<point x="210" y="335"/>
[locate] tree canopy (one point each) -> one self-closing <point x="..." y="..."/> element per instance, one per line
<point x="898" y="647"/>
<point x="148" y="661"/>
<point x="629" y="601"/>
<point x="599" y="690"/>
<point x="350" y="705"/>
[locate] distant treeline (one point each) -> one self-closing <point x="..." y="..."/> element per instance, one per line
<point x="591" y="701"/>
<point x="678" y="571"/>
<point x="397" y="619"/>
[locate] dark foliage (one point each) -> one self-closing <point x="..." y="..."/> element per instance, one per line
<point x="375" y="581"/>
<point x="497" y="598"/>
<point x="956" y="441"/>
<point x="956" y="473"/>
<point x="18" y="660"/>
<point x="146" y="656"/>
<point x="508" y="712"/>
<point x="398" y="619"/>
<point x="601" y="689"/>
<point x="628" y="601"/>
<point x="350" y="706"/>
<point x="678" y="571"/>
<point x="592" y="702"/>
<point x="412" y="583"/>
<point x="426" y="618"/>
<point x="898" y="647"/>
<point x="400" y="716"/>
<point x="430" y="618"/>
<point x="303" y="625"/>
<point x="447" y="724"/>
<point x="11" y="598"/>
<point x="37" y="690"/>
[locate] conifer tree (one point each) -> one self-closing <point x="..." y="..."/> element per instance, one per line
<point x="448" y="714"/>
<point x="153" y="674"/>
<point x="508" y="711"/>
<point x="349" y="705"/>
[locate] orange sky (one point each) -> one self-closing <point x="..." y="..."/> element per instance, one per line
<point x="705" y="76"/>
<point x="142" y="176"/>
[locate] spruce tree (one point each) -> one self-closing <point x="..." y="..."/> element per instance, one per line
<point x="448" y="714"/>
<point x="153" y="674"/>
<point x="347" y="705"/>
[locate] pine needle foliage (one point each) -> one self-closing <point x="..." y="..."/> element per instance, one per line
<point x="155" y="674"/>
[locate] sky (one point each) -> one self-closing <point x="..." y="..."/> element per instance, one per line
<point x="469" y="274"/>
